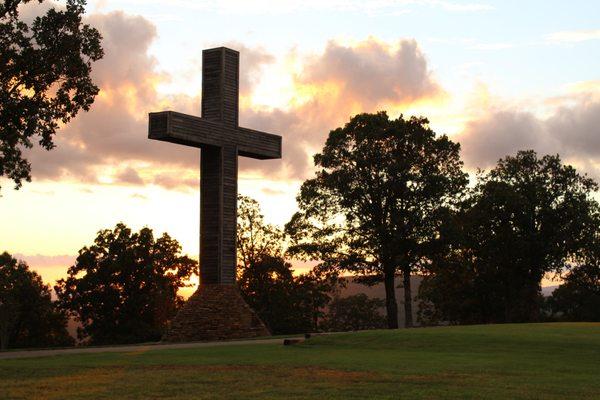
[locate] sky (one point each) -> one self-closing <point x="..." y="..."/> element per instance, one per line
<point x="497" y="76"/>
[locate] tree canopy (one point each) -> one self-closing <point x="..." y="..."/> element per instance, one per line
<point x="578" y="297"/>
<point x="376" y="202"/>
<point x="354" y="313"/>
<point x="28" y="316"/>
<point x="255" y="238"/>
<point x="526" y="217"/>
<point x="286" y="303"/>
<point x="123" y="288"/>
<point x="45" y="78"/>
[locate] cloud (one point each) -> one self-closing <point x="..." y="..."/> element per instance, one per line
<point x="109" y="143"/>
<point x="129" y="176"/>
<point x="577" y="130"/>
<point x="284" y="7"/>
<point x="175" y="181"/>
<point x="114" y="133"/>
<point x="465" y="7"/>
<point x="573" y="131"/>
<point x="332" y="87"/>
<point x="572" y="36"/>
<point x="373" y="72"/>
<point x="501" y="133"/>
<point x="252" y="61"/>
<point x="43" y="261"/>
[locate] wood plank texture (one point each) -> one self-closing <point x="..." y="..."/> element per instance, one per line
<point x="188" y="130"/>
<point x="221" y="139"/>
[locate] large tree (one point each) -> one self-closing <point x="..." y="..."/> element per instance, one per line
<point x="123" y="288"/>
<point x="375" y="204"/>
<point x="45" y="79"/>
<point x="28" y="316"/>
<point x="526" y="217"/>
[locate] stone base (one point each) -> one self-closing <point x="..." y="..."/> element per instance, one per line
<point x="215" y="312"/>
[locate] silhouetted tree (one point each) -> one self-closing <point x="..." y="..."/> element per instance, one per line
<point x="317" y="287"/>
<point x="374" y="206"/>
<point x="286" y="303"/>
<point x="123" y="288"/>
<point x="255" y="238"/>
<point x="354" y="313"/>
<point x="578" y="297"/>
<point x="269" y="287"/>
<point x="28" y="317"/>
<point x="44" y="78"/>
<point x="527" y="217"/>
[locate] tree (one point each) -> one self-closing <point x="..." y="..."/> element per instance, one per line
<point x="44" y="78"/>
<point x="255" y="238"/>
<point x="527" y="217"/>
<point x="285" y="303"/>
<point x="354" y="313"/>
<point x="269" y="288"/>
<point x="123" y="288"/>
<point x="375" y="204"/>
<point x="28" y="316"/>
<point x="578" y="297"/>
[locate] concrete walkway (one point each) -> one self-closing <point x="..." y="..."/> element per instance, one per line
<point x="138" y="347"/>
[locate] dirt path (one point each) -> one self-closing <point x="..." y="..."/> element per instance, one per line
<point x="136" y="347"/>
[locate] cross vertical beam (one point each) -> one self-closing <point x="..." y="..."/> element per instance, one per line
<point x="218" y="169"/>
<point x="220" y="85"/>
<point x="217" y="133"/>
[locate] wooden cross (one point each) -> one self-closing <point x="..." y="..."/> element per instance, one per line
<point x="221" y="139"/>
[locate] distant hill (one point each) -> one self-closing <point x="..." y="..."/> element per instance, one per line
<point x="378" y="291"/>
<point x="547" y="290"/>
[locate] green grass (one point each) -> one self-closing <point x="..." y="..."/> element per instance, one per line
<point x="530" y="361"/>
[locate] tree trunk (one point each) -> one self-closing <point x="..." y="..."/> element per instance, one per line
<point x="390" y="300"/>
<point x="408" y="316"/>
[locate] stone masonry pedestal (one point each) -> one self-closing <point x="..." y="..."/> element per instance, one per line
<point x="215" y="312"/>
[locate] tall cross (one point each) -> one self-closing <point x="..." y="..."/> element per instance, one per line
<point x="221" y="139"/>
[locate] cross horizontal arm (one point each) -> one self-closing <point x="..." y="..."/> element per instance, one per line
<point x="174" y="127"/>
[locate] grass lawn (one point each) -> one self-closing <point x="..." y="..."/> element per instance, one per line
<point x="529" y="361"/>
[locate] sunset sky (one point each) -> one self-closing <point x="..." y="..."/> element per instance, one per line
<point x="498" y="76"/>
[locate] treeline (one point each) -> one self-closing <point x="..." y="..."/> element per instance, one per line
<point x="389" y="199"/>
<point x="123" y="288"/>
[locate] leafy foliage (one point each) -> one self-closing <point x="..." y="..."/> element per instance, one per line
<point x="270" y="289"/>
<point x="527" y="217"/>
<point x="376" y="203"/>
<point x="354" y="313"/>
<point x="123" y="288"/>
<point x="28" y="316"/>
<point x="285" y="303"/>
<point x="255" y="238"/>
<point x="44" y="78"/>
<point x="578" y="297"/>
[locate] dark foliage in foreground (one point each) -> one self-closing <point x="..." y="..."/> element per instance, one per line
<point x="527" y="217"/>
<point x="285" y="303"/>
<point x="578" y="298"/>
<point x="45" y="78"/>
<point x="123" y="288"/>
<point x="354" y="313"/>
<point x="28" y="316"/>
<point x="377" y="200"/>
